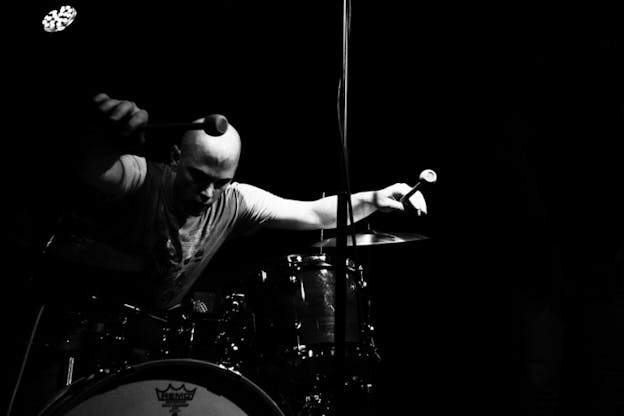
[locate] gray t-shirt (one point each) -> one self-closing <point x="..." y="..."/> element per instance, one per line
<point x="138" y="231"/>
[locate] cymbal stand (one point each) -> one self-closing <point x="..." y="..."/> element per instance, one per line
<point x="25" y="360"/>
<point x="322" y="232"/>
<point x="343" y="206"/>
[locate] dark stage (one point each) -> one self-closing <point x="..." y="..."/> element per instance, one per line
<point x="513" y="305"/>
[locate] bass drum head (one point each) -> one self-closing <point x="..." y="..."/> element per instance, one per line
<point x="182" y="387"/>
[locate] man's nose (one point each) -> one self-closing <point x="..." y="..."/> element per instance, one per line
<point x="207" y="193"/>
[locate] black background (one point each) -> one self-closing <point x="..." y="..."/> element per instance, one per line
<point x="514" y="304"/>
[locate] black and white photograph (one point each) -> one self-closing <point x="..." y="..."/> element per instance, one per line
<point x="312" y="209"/>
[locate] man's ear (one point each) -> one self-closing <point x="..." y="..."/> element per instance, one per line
<point x="175" y="155"/>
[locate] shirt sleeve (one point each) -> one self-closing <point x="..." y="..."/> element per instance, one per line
<point x="256" y="206"/>
<point x="134" y="170"/>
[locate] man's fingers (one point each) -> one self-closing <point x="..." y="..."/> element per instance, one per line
<point x="392" y="205"/>
<point x="124" y="116"/>
<point x="395" y="197"/>
<point x="137" y="119"/>
<point x="418" y="202"/>
<point x="122" y="109"/>
<point x="100" y="98"/>
<point x="400" y="189"/>
<point x="107" y="105"/>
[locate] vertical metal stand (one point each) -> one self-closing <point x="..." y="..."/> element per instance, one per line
<point x="343" y="207"/>
<point x="25" y="359"/>
<point x="340" y="301"/>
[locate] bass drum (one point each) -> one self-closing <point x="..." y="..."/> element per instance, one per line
<point x="181" y="387"/>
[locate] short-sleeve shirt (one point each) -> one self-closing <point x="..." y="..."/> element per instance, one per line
<point x="139" y="231"/>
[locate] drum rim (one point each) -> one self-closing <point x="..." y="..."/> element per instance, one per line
<point x="307" y="260"/>
<point x="65" y="401"/>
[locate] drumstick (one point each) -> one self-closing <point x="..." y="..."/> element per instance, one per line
<point x="427" y="176"/>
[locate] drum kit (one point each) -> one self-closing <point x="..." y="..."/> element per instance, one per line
<point x="265" y="348"/>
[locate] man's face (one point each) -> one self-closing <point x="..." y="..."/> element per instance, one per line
<point x="200" y="181"/>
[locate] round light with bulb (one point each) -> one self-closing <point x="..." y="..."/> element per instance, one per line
<point x="59" y="20"/>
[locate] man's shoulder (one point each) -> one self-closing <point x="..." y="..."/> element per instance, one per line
<point x="247" y="190"/>
<point x="255" y="202"/>
<point x="142" y="176"/>
<point x="245" y="194"/>
<point x="157" y="171"/>
<point x="155" y="166"/>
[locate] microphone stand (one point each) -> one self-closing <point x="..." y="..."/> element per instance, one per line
<point x="343" y="204"/>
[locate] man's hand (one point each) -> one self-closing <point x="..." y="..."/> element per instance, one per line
<point x="121" y="116"/>
<point x="388" y="199"/>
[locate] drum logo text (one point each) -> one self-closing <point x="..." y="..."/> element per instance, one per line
<point x="175" y="397"/>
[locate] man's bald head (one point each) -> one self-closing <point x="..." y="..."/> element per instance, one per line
<point x="205" y="167"/>
<point x="216" y="151"/>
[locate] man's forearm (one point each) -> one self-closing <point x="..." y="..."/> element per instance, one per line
<point x="364" y="204"/>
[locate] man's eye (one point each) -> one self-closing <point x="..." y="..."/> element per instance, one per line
<point x="199" y="178"/>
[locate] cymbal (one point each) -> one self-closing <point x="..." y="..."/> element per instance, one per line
<point x="373" y="238"/>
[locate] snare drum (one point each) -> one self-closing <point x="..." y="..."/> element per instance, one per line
<point x="294" y="304"/>
<point x="180" y="387"/>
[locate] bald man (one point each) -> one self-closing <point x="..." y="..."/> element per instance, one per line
<point x="147" y="232"/>
<point x="170" y="220"/>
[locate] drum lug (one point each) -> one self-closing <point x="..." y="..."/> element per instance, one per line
<point x="362" y="280"/>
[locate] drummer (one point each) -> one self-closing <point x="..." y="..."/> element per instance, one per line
<point x="148" y="229"/>
<point x="168" y="220"/>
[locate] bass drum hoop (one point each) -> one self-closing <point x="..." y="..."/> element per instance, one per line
<point x="235" y="387"/>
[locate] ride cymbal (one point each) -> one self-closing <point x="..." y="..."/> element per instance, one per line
<point x="372" y="238"/>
